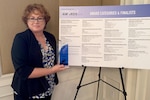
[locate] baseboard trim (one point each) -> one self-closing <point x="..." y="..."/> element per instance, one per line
<point x="5" y="85"/>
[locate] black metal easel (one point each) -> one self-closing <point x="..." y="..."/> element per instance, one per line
<point x="99" y="79"/>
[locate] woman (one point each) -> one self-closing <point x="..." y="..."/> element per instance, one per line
<point x="34" y="57"/>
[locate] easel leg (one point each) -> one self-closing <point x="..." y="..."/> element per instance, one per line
<point x="124" y="92"/>
<point x="99" y="77"/>
<point x="78" y="87"/>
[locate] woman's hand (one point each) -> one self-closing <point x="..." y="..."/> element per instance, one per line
<point x="39" y="72"/>
<point x="58" y="68"/>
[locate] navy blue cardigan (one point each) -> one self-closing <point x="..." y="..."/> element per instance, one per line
<point x="26" y="55"/>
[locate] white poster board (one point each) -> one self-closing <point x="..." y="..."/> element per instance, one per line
<point x="106" y="36"/>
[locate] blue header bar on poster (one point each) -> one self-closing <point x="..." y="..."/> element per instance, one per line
<point x="105" y="11"/>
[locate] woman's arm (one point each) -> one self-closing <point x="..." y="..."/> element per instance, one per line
<point x="40" y="72"/>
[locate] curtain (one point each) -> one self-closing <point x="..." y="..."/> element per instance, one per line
<point x="128" y="2"/>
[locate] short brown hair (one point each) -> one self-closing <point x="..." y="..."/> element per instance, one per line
<point x="31" y="8"/>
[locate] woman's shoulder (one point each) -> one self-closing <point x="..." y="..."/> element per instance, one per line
<point x="24" y="35"/>
<point x="49" y="35"/>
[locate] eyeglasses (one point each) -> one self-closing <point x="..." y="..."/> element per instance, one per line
<point x="40" y="19"/>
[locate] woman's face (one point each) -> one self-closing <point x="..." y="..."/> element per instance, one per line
<point x="36" y="22"/>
